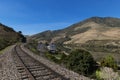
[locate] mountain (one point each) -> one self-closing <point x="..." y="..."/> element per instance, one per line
<point x="94" y="28"/>
<point x="8" y="36"/>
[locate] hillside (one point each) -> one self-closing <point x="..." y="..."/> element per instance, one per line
<point x="95" y="28"/>
<point x="8" y="36"/>
<point x="98" y="35"/>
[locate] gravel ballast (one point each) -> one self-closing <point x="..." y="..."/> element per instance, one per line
<point x="8" y="70"/>
<point x="62" y="71"/>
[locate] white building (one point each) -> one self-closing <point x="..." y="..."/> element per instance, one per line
<point x="51" y="47"/>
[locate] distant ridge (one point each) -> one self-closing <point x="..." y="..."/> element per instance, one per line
<point x="94" y="28"/>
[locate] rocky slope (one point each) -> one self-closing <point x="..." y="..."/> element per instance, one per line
<point x="8" y="36"/>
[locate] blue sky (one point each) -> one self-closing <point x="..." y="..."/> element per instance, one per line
<point x="34" y="16"/>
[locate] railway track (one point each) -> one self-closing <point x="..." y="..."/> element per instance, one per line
<point x="31" y="69"/>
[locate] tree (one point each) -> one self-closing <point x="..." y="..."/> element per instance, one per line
<point x="20" y="32"/>
<point x="81" y="61"/>
<point x="23" y="38"/>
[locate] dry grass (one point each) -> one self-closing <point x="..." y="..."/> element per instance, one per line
<point x="97" y="32"/>
<point x="99" y="55"/>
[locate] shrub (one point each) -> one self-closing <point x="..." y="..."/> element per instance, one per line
<point x="109" y="61"/>
<point x="52" y="57"/>
<point x="80" y="61"/>
<point x="106" y="73"/>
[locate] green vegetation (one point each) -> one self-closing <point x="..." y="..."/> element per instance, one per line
<point x="6" y="41"/>
<point x="8" y="36"/>
<point x="80" y="61"/>
<point x="52" y="57"/>
<point x="109" y="46"/>
<point x="100" y="48"/>
<point x="109" y="61"/>
<point x="60" y="44"/>
<point x="105" y="73"/>
<point x="3" y="43"/>
<point x="108" y="69"/>
<point x="56" y="57"/>
<point x="32" y="45"/>
<point x="3" y="50"/>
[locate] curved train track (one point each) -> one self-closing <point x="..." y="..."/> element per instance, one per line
<point x="31" y="69"/>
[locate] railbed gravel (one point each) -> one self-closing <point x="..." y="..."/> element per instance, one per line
<point x="8" y="69"/>
<point x="57" y="68"/>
